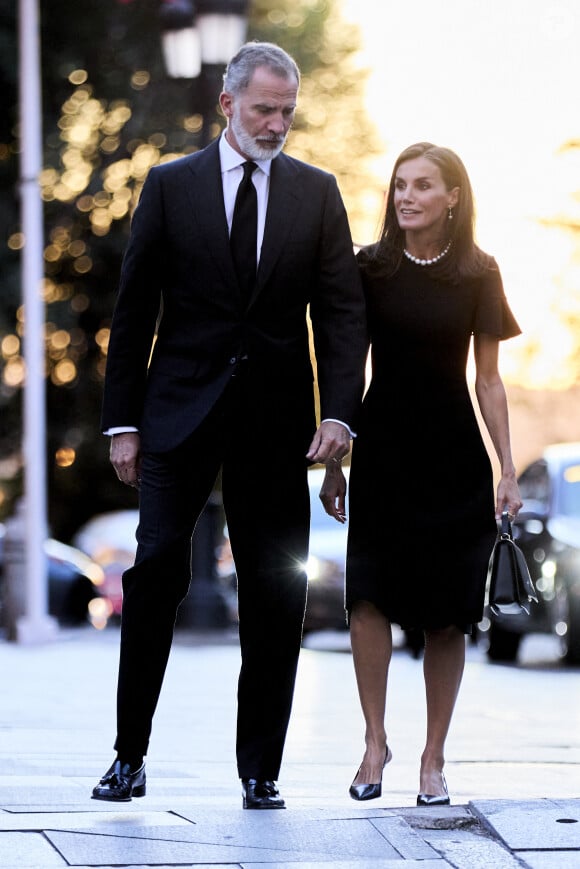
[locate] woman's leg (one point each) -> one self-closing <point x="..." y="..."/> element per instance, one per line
<point x="443" y="665"/>
<point x="372" y="645"/>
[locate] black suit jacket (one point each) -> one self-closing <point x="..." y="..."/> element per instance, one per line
<point x="178" y="275"/>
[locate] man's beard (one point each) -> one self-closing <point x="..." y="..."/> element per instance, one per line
<point x="250" y="146"/>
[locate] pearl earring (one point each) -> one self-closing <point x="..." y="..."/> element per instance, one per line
<point x="449" y="213"/>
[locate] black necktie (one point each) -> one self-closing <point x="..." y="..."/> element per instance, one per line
<point x="244" y="233"/>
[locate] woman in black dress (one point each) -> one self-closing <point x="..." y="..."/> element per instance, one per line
<point x="421" y="502"/>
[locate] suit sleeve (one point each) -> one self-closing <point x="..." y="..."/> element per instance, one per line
<point x="136" y="312"/>
<point x="337" y="312"/>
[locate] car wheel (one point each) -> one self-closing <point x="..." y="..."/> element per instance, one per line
<point x="75" y="608"/>
<point x="415" y="642"/>
<point x="503" y="645"/>
<point x="572" y="636"/>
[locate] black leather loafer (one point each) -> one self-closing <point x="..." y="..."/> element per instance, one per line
<point x="119" y="783"/>
<point x="261" y="795"/>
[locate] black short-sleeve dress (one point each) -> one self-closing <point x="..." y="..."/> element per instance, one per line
<point x="421" y="499"/>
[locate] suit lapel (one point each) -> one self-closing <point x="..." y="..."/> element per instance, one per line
<point x="207" y="203"/>
<point x="283" y="200"/>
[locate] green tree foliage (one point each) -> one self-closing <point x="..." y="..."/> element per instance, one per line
<point x="332" y="128"/>
<point x="109" y="114"/>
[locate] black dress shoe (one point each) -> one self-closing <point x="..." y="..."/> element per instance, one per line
<point x="435" y="799"/>
<point x="119" y="783"/>
<point x="370" y="791"/>
<point x="261" y="795"/>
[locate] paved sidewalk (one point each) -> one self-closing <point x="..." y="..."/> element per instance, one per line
<point x="56" y="728"/>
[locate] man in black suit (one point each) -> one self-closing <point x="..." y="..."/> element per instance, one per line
<point x="222" y="378"/>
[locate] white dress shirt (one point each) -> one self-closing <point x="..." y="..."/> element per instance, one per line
<point x="232" y="173"/>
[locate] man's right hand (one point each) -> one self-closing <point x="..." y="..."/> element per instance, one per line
<point x="125" y="455"/>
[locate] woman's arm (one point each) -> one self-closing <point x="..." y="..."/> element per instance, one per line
<point x="333" y="491"/>
<point x="492" y="401"/>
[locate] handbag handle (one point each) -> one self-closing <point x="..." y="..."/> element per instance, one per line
<point x="506" y="526"/>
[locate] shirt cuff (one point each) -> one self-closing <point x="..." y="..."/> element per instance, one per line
<point x="120" y="429"/>
<point x="340" y="422"/>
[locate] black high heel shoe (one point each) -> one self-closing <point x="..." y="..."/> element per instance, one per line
<point x="435" y="799"/>
<point x="369" y="791"/>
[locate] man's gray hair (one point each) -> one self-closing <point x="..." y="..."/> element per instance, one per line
<point x="252" y="55"/>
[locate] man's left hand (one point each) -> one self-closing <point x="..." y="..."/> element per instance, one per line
<point x="331" y="441"/>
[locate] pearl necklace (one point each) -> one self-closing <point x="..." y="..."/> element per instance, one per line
<point x="426" y="262"/>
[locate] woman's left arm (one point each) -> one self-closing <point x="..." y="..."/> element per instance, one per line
<point x="492" y="401"/>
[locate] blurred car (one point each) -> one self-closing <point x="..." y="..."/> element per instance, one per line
<point x="547" y="530"/>
<point x="324" y="567"/>
<point x="74" y="582"/>
<point x="109" y="538"/>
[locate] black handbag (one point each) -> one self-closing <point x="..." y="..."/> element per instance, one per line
<point x="511" y="589"/>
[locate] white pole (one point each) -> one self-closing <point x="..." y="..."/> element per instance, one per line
<point x="35" y="626"/>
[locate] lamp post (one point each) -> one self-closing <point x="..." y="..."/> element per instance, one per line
<point x="35" y="625"/>
<point x="198" y="39"/>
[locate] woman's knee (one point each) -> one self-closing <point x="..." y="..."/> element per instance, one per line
<point x="362" y="613"/>
<point x="444" y="636"/>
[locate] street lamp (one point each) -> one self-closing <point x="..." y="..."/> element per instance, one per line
<point x="222" y="26"/>
<point x="180" y="40"/>
<point x="206" y="32"/>
<point x="198" y="39"/>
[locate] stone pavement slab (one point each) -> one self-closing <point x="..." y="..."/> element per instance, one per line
<point x="28" y="851"/>
<point x="16" y="791"/>
<point x="550" y="859"/>
<point x="537" y="824"/>
<point x="404" y="838"/>
<point x="79" y="848"/>
<point x="363" y="864"/>
<point x="459" y="838"/>
<point x="10" y="821"/>
<point x="335" y="839"/>
<point x="542" y="834"/>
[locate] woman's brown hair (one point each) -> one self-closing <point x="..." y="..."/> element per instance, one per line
<point x="464" y="259"/>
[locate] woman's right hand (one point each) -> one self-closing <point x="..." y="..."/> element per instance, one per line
<point x="333" y="491"/>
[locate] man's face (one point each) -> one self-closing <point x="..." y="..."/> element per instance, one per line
<point x="260" y="117"/>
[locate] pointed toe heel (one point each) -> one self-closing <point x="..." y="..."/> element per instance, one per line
<point x="435" y="799"/>
<point x="366" y="792"/>
<point x="369" y="791"/>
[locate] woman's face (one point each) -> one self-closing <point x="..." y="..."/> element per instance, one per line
<point x="421" y="199"/>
